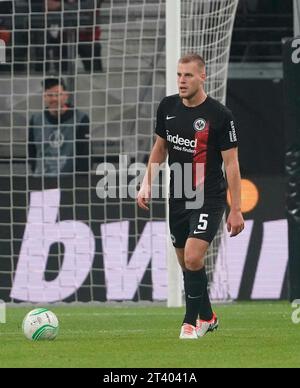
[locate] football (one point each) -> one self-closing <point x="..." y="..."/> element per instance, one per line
<point x="40" y="324"/>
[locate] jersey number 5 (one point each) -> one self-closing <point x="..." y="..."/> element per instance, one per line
<point x="202" y="222"/>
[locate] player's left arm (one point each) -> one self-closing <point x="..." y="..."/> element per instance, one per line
<point x="235" y="221"/>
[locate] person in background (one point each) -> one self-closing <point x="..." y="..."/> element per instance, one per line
<point x="88" y="43"/>
<point x="5" y="21"/>
<point x="59" y="136"/>
<point x="5" y="28"/>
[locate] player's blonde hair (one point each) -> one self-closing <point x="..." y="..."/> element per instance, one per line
<point x="192" y="57"/>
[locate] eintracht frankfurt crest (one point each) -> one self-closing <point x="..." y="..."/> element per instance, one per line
<point x="199" y="124"/>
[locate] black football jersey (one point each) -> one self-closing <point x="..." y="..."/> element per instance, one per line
<point x="197" y="135"/>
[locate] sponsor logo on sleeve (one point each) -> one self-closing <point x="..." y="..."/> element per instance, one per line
<point x="232" y="133"/>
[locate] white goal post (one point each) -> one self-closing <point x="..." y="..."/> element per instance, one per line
<point x="204" y="27"/>
<point x="173" y="52"/>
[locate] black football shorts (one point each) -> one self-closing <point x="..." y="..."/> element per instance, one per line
<point x="200" y="223"/>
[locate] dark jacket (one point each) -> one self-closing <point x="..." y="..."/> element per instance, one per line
<point x="59" y="145"/>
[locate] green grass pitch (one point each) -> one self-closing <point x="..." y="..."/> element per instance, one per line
<point x="250" y="335"/>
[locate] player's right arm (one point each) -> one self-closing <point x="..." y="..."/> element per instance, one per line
<point x="157" y="157"/>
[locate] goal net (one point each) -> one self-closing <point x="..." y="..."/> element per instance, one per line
<point x="70" y="229"/>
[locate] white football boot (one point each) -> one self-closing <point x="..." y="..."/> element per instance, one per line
<point x="203" y="327"/>
<point x="188" y="332"/>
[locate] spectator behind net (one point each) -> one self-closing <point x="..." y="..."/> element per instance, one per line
<point x="58" y="136"/>
<point x="89" y="46"/>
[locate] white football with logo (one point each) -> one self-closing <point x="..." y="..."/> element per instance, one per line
<point x="40" y="324"/>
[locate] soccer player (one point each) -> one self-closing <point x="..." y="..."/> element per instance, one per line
<point x="195" y="129"/>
